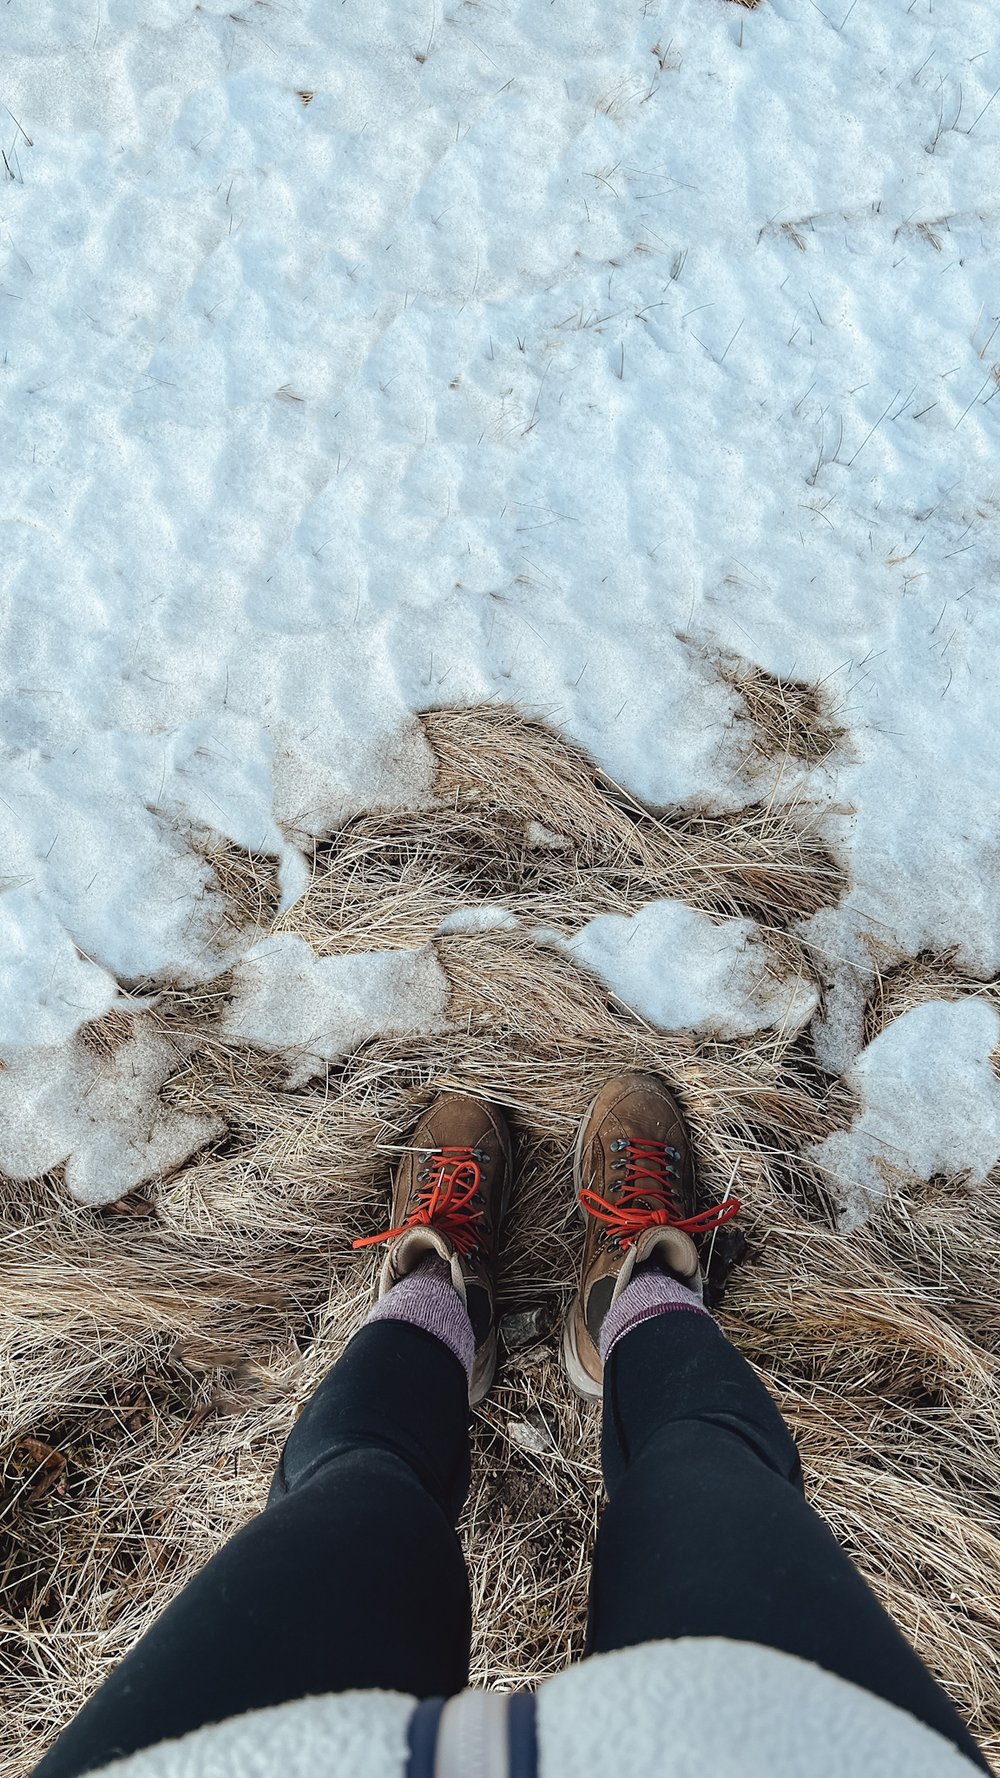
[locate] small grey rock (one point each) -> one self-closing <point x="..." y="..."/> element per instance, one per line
<point x="530" y="1438"/>
<point x="522" y="1328"/>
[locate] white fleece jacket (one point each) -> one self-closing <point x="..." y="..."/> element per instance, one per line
<point x="682" y="1709"/>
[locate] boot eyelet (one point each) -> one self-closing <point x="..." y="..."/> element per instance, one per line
<point x="618" y="1144"/>
<point x="423" y="1177"/>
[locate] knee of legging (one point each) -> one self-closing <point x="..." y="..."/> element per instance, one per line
<point x="380" y="1466"/>
<point x="720" y="1445"/>
<point x="377" y="1491"/>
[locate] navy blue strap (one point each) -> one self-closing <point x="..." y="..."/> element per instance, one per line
<point x="422" y="1738"/>
<point x="522" y="1735"/>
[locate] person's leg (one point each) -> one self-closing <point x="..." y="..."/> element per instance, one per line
<point x="352" y="1577"/>
<point x="707" y="1531"/>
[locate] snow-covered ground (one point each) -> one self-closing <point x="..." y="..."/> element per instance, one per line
<point x="362" y="357"/>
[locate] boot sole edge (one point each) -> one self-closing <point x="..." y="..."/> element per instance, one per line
<point x="579" y="1377"/>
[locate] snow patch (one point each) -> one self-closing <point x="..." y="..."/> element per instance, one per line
<point x="101" y="1115"/>
<point x="321" y="1008"/>
<point x="930" y="1103"/>
<point x="684" y="971"/>
<point x="309" y="429"/>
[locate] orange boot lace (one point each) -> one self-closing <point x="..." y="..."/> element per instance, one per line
<point x="447" y="1201"/>
<point x="646" y="1196"/>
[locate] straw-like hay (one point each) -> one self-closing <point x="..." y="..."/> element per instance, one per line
<point x="152" y="1355"/>
<point x="902" y="983"/>
<point x="790" y="718"/>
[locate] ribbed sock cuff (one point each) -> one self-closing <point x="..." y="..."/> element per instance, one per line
<point x="650" y="1291"/>
<point x="427" y="1298"/>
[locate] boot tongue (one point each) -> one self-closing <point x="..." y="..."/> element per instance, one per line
<point x="418" y="1244"/>
<point x="672" y="1248"/>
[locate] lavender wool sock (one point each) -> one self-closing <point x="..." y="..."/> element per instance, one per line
<point x="427" y="1298"/>
<point x="650" y="1291"/>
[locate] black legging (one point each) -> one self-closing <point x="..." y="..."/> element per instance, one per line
<point x="354" y="1576"/>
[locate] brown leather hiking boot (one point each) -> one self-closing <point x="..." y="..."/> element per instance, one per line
<point x="450" y="1198"/>
<point x="635" y="1180"/>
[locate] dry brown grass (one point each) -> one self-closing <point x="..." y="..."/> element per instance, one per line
<point x="788" y="718"/>
<point x="902" y="983"/>
<point x="246" y="882"/>
<point x="152" y="1356"/>
<point x="108" y="1034"/>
